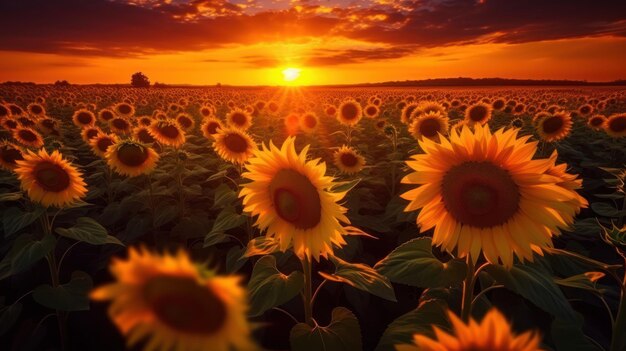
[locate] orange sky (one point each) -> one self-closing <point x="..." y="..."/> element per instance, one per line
<point x="249" y="42"/>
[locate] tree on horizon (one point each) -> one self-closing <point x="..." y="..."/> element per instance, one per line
<point x="139" y="80"/>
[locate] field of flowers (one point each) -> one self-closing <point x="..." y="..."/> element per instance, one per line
<point x="312" y="218"/>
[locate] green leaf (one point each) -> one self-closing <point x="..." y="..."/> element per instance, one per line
<point x="8" y="316"/>
<point x="413" y="263"/>
<point x="535" y="284"/>
<point x="268" y="287"/>
<point x="72" y="296"/>
<point x="226" y="220"/>
<point x="88" y="230"/>
<point x="342" y="187"/>
<point x="604" y="209"/>
<point x="224" y="196"/>
<point x="24" y="253"/>
<point x="164" y="213"/>
<point x="14" y="219"/>
<point x="11" y="196"/>
<point x="361" y="276"/>
<point x="568" y="335"/>
<point x="233" y="259"/>
<point x="342" y="334"/>
<point x="262" y="245"/>
<point x="419" y="321"/>
<point x="217" y="175"/>
<point x="581" y="281"/>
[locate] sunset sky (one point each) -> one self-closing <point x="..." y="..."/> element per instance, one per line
<point x="250" y="42"/>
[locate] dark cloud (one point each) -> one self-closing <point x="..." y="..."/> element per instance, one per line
<point x="117" y="28"/>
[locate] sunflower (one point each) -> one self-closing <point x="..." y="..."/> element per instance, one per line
<point x="554" y="127"/>
<point x="105" y="115"/>
<point x="83" y="118"/>
<point x="293" y="200"/>
<point x="485" y="192"/>
<point x="371" y="111"/>
<point x="28" y="137"/>
<point x="309" y="122"/>
<point x="120" y="125"/>
<point x="348" y="160"/>
<point x="380" y="124"/>
<point x="492" y="333"/>
<point x="167" y="132"/>
<point x="239" y="119"/>
<point x="9" y="123"/>
<point x="349" y="113"/>
<point x="407" y="111"/>
<point x="172" y="302"/>
<point x="210" y="127"/>
<point x="185" y="121"/>
<point x="47" y="125"/>
<point x="596" y="122"/>
<point x="330" y="110"/>
<point x="426" y="107"/>
<point x="429" y="125"/>
<point x="101" y="143"/>
<point x="233" y="145"/>
<point x="569" y="182"/>
<point x="36" y="109"/>
<point x="516" y="122"/>
<point x="4" y="112"/>
<point x="615" y="125"/>
<point x="207" y="111"/>
<point x="49" y="179"/>
<point x="131" y="158"/>
<point x="142" y="134"/>
<point x="9" y="154"/>
<point x="498" y="104"/>
<point x="89" y="133"/>
<point x="585" y="109"/>
<point x="479" y="113"/>
<point x="124" y="109"/>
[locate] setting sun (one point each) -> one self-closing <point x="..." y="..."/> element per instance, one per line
<point x="291" y="74"/>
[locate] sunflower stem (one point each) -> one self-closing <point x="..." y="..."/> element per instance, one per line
<point x="308" y="291"/>
<point x="54" y="277"/>
<point x="107" y="177"/>
<point x="152" y="210"/>
<point x="618" y="341"/>
<point x="181" y="194"/>
<point x="468" y="290"/>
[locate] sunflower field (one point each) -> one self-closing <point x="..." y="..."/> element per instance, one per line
<point x="312" y="218"/>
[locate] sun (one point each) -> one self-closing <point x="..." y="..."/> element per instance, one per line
<point x="290" y="74"/>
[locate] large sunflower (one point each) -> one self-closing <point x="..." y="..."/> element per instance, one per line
<point x="348" y="160"/>
<point x="349" y="113"/>
<point x="49" y="179"/>
<point x="429" y="125"/>
<point x="293" y="200"/>
<point x="130" y="158"/>
<point x="28" y="137"/>
<point x="484" y="192"/>
<point x="233" y="145"/>
<point x="493" y="333"/>
<point x="174" y="304"/>
<point x="615" y="125"/>
<point x="239" y="119"/>
<point x="555" y="127"/>
<point x="167" y="132"/>
<point x="9" y="154"/>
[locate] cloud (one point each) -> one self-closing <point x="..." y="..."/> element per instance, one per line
<point x="132" y="28"/>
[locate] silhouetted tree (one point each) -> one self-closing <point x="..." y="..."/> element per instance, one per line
<point x="139" y="80"/>
<point x="62" y="83"/>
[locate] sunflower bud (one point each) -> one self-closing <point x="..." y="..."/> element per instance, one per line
<point x="615" y="237"/>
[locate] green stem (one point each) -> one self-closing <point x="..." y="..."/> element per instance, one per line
<point x="308" y="291"/>
<point x="108" y="176"/>
<point x="468" y="291"/>
<point x="54" y="277"/>
<point x="618" y="340"/>
<point x="181" y="194"/>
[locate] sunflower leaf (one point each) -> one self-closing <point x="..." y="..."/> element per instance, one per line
<point x="72" y="296"/>
<point x="535" y="284"/>
<point x="89" y="231"/>
<point x="14" y="219"/>
<point x="413" y="263"/>
<point x="418" y="321"/>
<point x="361" y="276"/>
<point x="24" y="253"/>
<point x="8" y="316"/>
<point x="342" y="334"/>
<point x="268" y="287"/>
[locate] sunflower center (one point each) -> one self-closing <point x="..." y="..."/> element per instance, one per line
<point x="104" y="143"/>
<point x="430" y="127"/>
<point x="618" y="124"/>
<point x="10" y="155"/>
<point x="236" y="143"/>
<point x="132" y="155"/>
<point x="480" y="194"/>
<point x="36" y="109"/>
<point x="552" y="124"/>
<point x="27" y="135"/>
<point x="184" y="121"/>
<point x="597" y="122"/>
<point x="371" y="111"/>
<point x="124" y="109"/>
<point x="170" y="131"/>
<point x="144" y="136"/>
<point x="239" y="118"/>
<point x="84" y="118"/>
<point x="212" y="127"/>
<point x="310" y="121"/>
<point x="349" y="160"/>
<point x="349" y="111"/>
<point x="107" y="115"/>
<point x="51" y="177"/>
<point x="296" y="199"/>
<point x="184" y="305"/>
<point x="91" y="133"/>
<point x="478" y="113"/>
<point x="120" y="123"/>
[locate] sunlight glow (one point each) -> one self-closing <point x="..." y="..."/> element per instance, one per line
<point x="290" y="74"/>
